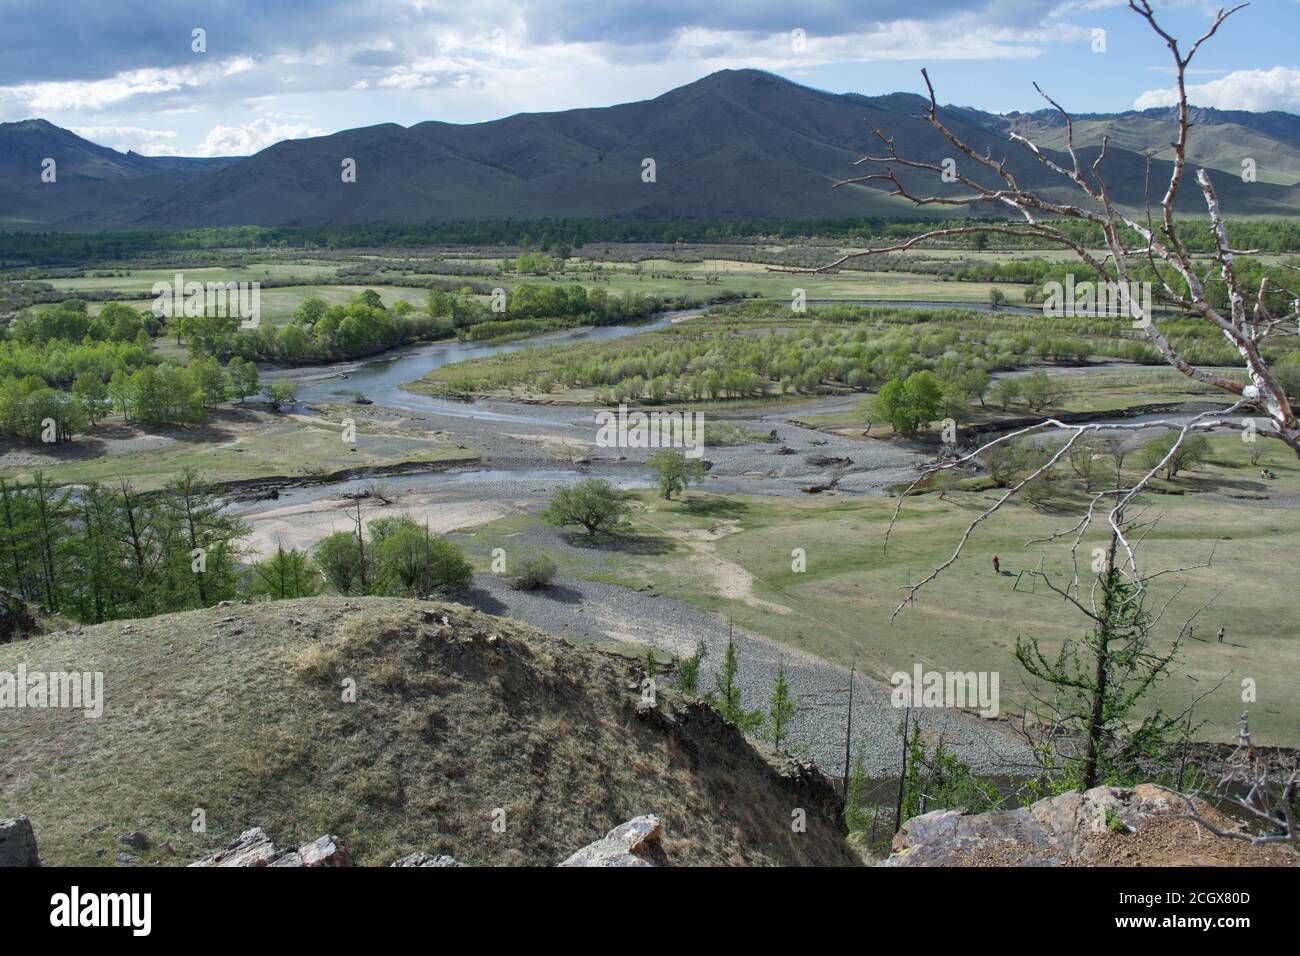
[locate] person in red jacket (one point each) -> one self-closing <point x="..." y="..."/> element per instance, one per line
<point x="997" y="567"/>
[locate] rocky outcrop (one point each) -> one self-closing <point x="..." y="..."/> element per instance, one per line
<point x="255" y="848"/>
<point x="635" y="843"/>
<point x="1106" y="826"/>
<point x="425" y="860"/>
<point x="18" y="843"/>
<point x="16" y="619"/>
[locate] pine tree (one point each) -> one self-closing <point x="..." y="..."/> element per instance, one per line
<point x="729" y="700"/>
<point x="200" y="544"/>
<point x="781" y="708"/>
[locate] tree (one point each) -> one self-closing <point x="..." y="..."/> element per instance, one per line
<point x="1005" y="391"/>
<point x="285" y="575"/>
<point x="119" y="387"/>
<point x="1039" y="390"/>
<point x="780" y="708"/>
<point x="593" y="503"/>
<point x="410" y="561"/>
<point x="1099" y="680"/>
<point x="1175" y="454"/>
<point x="200" y="541"/>
<point x="729" y="699"/>
<point x="242" y="379"/>
<point x="340" y="560"/>
<point x="858" y="817"/>
<point x="911" y="403"/>
<point x="90" y="389"/>
<point x="871" y="410"/>
<point x="281" y="392"/>
<point x="688" y="670"/>
<point x="673" y="471"/>
<point x="210" y="378"/>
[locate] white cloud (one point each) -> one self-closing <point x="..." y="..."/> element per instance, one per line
<point x="148" y="142"/>
<point x="407" y="79"/>
<point x="1257" y="90"/>
<point x="97" y="95"/>
<point x="250" y="137"/>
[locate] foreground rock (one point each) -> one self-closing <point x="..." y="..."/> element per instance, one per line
<point x="635" y="843"/>
<point x="1106" y="826"/>
<point x="255" y="848"/>
<point x="18" y="843"/>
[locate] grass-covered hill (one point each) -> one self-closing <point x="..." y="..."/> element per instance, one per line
<point x="734" y="144"/>
<point x="238" y="710"/>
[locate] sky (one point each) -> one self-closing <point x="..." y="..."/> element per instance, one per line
<point x="131" y="74"/>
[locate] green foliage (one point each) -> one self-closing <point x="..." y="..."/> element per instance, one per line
<point x="281" y="392"/>
<point x="164" y="395"/>
<point x="1191" y="452"/>
<point x="593" y="504"/>
<point x="728" y="698"/>
<point x="1098" y="682"/>
<point x="673" y="471"/>
<point x="859" y="817"/>
<point x="411" y="562"/>
<point x="1005" y="391"/>
<point x="938" y="780"/>
<point x="102" y="554"/>
<point x="534" y="572"/>
<point x="286" y="574"/>
<point x="780" y="709"/>
<point x="1040" y="390"/>
<point x="688" y="670"/>
<point x="912" y="403"/>
<point x="340" y="560"/>
<point x="242" y="378"/>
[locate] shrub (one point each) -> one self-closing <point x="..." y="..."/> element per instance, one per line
<point x="536" y="571"/>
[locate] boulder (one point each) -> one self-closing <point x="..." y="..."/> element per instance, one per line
<point x="255" y="848"/>
<point x="1106" y="826"/>
<point x="18" y="843"/>
<point x="635" y="843"/>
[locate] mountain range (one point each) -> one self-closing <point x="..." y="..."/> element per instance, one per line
<point x="737" y="143"/>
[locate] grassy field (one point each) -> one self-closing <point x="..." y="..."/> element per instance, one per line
<point x="142" y="280"/>
<point x="1082" y="390"/>
<point x="839" y="608"/>
<point x="662" y="277"/>
<point x="233" y="445"/>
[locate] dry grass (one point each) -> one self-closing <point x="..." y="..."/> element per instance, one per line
<point x="240" y="711"/>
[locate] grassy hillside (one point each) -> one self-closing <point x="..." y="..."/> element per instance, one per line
<point x="237" y="710"/>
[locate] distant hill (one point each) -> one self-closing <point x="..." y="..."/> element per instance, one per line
<point x="738" y="143"/>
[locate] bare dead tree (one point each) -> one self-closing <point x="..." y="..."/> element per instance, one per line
<point x="1249" y="784"/>
<point x="1132" y="241"/>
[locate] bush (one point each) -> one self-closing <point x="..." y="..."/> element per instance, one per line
<point x="536" y="571"/>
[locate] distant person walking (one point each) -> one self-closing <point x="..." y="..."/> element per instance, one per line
<point x="997" y="565"/>
<point x="1222" y="632"/>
